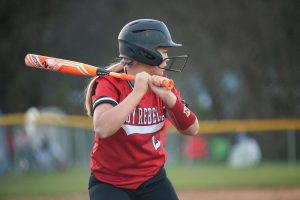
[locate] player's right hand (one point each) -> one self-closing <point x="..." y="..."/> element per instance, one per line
<point x="141" y="82"/>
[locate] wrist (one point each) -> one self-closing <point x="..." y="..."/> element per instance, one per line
<point x="137" y="94"/>
<point x="169" y="99"/>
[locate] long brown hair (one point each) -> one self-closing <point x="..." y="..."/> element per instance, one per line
<point x="90" y="89"/>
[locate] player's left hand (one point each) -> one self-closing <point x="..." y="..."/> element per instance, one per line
<point x="167" y="96"/>
<point x="155" y="84"/>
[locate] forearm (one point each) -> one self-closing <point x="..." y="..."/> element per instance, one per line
<point x="192" y="129"/>
<point x="110" y="121"/>
<point x="183" y="119"/>
<point x="169" y="99"/>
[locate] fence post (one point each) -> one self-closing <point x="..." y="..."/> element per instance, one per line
<point x="291" y="147"/>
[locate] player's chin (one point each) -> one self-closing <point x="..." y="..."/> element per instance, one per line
<point x="158" y="71"/>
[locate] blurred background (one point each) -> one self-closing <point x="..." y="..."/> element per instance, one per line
<point x="243" y="65"/>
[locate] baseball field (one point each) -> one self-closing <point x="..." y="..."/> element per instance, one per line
<point x="201" y="181"/>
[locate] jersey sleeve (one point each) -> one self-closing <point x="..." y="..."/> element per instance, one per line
<point x="181" y="116"/>
<point x="105" y="92"/>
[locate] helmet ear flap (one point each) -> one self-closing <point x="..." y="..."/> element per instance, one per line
<point x="126" y="50"/>
<point x="143" y="55"/>
<point x="147" y="55"/>
<point x="131" y="51"/>
<point x="150" y="57"/>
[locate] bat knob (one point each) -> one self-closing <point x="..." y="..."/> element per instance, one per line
<point x="101" y="72"/>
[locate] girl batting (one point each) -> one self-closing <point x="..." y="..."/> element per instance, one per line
<point x="128" y="157"/>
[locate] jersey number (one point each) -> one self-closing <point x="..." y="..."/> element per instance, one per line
<point x="156" y="143"/>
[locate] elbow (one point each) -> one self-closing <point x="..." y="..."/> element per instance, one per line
<point x="196" y="128"/>
<point x="102" y="135"/>
<point x="102" y="132"/>
<point x="193" y="130"/>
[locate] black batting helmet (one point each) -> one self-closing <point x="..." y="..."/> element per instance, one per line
<point x="139" y="40"/>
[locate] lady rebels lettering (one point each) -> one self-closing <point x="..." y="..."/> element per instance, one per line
<point x="145" y="116"/>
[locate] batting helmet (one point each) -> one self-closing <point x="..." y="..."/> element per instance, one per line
<point x="139" y="40"/>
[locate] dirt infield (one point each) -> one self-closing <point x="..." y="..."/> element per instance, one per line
<point x="241" y="194"/>
<point x="219" y="194"/>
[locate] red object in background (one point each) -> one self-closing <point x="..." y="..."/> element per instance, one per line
<point x="195" y="148"/>
<point x="10" y="143"/>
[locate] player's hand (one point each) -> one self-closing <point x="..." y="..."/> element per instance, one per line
<point x="155" y="83"/>
<point x="166" y="95"/>
<point x="141" y="82"/>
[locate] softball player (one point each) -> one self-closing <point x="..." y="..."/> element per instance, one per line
<point x="128" y="157"/>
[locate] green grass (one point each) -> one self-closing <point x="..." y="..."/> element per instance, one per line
<point x="214" y="176"/>
<point x="183" y="177"/>
<point x="50" y="184"/>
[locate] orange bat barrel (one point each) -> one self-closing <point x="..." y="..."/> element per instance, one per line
<point x="82" y="69"/>
<point x="60" y="65"/>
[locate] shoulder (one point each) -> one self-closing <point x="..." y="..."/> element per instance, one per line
<point x="108" y="81"/>
<point x="107" y="90"/>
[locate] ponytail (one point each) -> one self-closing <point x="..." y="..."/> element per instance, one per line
<point x="89" y="91"/>
<point x="91" y="87"/>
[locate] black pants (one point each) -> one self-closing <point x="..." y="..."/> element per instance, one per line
<point x="158" y="187"/>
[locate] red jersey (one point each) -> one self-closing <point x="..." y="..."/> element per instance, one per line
<point x="135" y="153"/>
